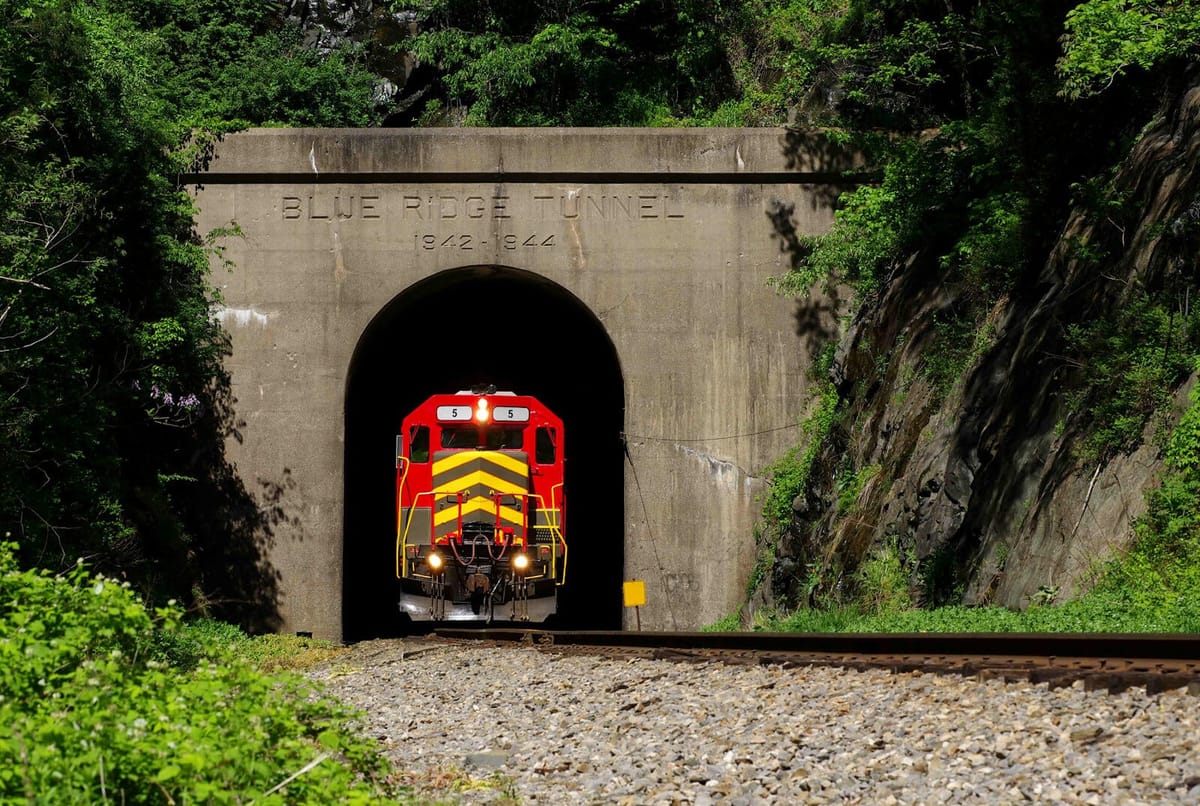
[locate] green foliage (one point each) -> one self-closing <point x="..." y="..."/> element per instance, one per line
<point x="610" y="62"/>
<point x="265" y="76"/>
<point x="850" y="486"/>
<point x="730" y="623"/>
<point x="273" y="651"/>
<point x="1161" y="572"/>
<point x="774" y="49"/>
<point x="921" y="207"/>
<point x="960" y="338"/>
<point x="218" y="641"/>
<point x="196" y="641"/>
<point x="1154" y="586"/>
<point x="838" y="618"/>
<point x="766" y="545"/>
<point x="113" y="402"/>
<point x="95" y="246"/>
<point x="497" y="71"/>
<point x="1105" y="38"/>
<point x="789" y="476"/>
<point x="1149" y="610"/>
<point x="1183" y="448"/>
<point x="940" y="578"/>
<point x="1131" y="363"/>
<point x="977" y="178"/>
<point x="883" y="580"/>
<point x="89" y="715"/>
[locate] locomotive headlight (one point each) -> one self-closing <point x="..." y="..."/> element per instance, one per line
<point x="520" y="563"/>
<point x="434" y="561"/>
<point x="481" y="410"/>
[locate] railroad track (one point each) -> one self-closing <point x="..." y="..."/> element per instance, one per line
<point x="1102" y="662"/>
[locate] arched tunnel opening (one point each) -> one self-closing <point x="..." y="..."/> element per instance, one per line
<point x="476" y="326"/>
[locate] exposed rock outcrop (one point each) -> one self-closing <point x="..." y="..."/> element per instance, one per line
<point x="989" y="491"/>
<point x="379" y="31"/>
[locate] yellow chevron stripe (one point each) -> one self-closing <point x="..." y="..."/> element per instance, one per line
<point x="481" y="477"/>
<point x="476" y="505"/>
<point x="508" y="462"/>
<point x="496" y="457"/>
<point x="454" y="460"/>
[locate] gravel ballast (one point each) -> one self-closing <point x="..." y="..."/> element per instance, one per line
<point x="487" y="724"/>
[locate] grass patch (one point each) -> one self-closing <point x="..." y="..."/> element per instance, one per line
<point x="730" y="623"/>
<point x="207" y="639"/>
<point x="443" y="785"/>
<point x="850" y="487"/>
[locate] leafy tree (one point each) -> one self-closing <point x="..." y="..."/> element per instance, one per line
<point x="575" y="63"/>
<point x="1105" y="38"/>
<point x="113" y="402"/>
<point x="263" y="75"/>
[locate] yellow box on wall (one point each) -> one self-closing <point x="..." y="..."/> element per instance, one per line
<point x="635" y="593"/>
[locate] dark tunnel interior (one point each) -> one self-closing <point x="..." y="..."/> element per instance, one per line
<point x="478" y="326"/>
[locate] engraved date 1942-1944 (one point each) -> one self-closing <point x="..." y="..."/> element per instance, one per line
<point x="467" y="242"/>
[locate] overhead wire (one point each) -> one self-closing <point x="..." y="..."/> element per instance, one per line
<point x="625" y="435"/>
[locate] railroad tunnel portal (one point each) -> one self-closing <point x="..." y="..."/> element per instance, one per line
<point x="461" y="328"/>
<point x="360" y="271"/>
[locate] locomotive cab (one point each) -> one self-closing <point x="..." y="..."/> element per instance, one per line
<point x="479" y="508"/>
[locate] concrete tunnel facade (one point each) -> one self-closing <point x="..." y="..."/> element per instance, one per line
<point x="619" y="274"/>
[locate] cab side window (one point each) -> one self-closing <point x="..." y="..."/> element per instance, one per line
<point x="546" y="452"/>
<point x="419" y="435"/>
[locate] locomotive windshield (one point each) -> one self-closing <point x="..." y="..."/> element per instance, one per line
<point x="494" y="439"/>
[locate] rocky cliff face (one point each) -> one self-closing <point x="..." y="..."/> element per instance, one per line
<point x="981" y="482"/>
<point x="371" y="25"/>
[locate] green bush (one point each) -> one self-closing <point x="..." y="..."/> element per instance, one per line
<point x="1131" y="362"/>
<point x="883" y="580"/>
<point x="850" y="487"/>
<point x="92" y="713"/>
<point x="790" y="474"/>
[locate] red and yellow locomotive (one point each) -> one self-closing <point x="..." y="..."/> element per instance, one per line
<point x="479" y="508"/>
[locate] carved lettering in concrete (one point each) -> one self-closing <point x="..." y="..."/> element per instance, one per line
<point x="466" y="242"/>
<point x="337" y="206"/>
<point x="450" y="207"/>
<point x="607" y="206"/>
<point x="681" y="582"/>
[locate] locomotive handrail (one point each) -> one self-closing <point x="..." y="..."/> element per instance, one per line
<point x="553" y="517"/>
<point x="552" y="524"/>
<point x="401" y="477"/>
<point x="556" y="529"/>
<point x="402" y="540"/>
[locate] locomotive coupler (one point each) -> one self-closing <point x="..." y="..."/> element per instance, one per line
<point x="478" y="586"/>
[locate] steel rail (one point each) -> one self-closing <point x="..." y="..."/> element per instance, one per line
<point x="1101" y="661"/>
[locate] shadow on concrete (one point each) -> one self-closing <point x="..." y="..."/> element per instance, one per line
<point x="813" y="151"/>
<point x="525" y="334"/>
<point x="218" y="564"/>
